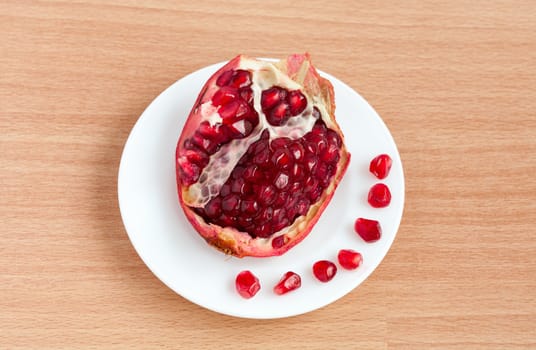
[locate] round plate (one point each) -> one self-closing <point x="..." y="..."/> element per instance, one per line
<point x="180" y="258"/>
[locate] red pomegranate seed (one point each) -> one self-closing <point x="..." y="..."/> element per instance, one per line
<point x="282" y="158"/>
<point x="297" y="102"/>
<point x="369" y="230"/>
<point x="324" y="270"/>
<point x="247" y="284"/>
<point x="380" y="166"/>
<point x="262" y="231"/>
<point x="279" y="241"/>
<point x="279" y="114"/>
<point x="213" y="208"/>
<point x="225" y="78"/>
<point x="379" y="196"/>
<point x="240" y="79"/>
<point x="269" y="98"/>
<point x="349" y="259"/>
<point x="289" y="282"/>
<point x="230" y="204"/>
<point x="224" y="95"/>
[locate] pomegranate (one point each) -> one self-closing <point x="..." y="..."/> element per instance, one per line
<point x="247" y="284"/>
<point x="324" y="270"/>
<point x="369" y="230"/>
<point x="380" y="166"/>
<point x="289" y="282"/>
<point x="349" y="259"/>
<point x="260" y="155"/>
<point x="379" y="196"/>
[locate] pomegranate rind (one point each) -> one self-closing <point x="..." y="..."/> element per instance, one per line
<point x="240" y="244"/>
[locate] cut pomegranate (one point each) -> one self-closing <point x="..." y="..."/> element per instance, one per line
<point x="289" y="282"/>
<point x="247" y="284"/>
<point x="369" y="230"/>
<point x="324" y="270"/>
<point x="260" y="155"/>
<point x="379" y="196"/>
<point x="380" y="166"/>
<point x="349" y="259"/>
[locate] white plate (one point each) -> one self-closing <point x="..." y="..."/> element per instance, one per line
<point x="181" y="259"/>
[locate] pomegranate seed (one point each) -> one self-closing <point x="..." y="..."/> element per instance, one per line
<point x="279" y="225"/>
<point x="280" y="199"/>
<point x="289" y="282"/>
<point x="230" y="204"/>
<point x="250" y="206"/>
<point x="302" y="206"/>
<point x="282" y="158"/>
<point x="266" y="215"/>
<point x="247" y="95"/>
<point x="379" y="196"/>
<point x="263" y="231"/>
<point x="267" y="195"/>
<point x="213" y="208"/>
<point x="324" y="270"/>
<point x="224" y="95"/>
<point x="297" y="173"/>
<point x="228" y="111"/>
<point x="349" y="259"/>
<point x="225" y="78"/>
<point x="297" y="150"/>
<point x="369" y="230"/>
<point x="380" y="166"/>
<point x="281" y="142"/>
<point x="247" y="284"/>
<point x="297" y="102"/>
<point x="271" y="97"/>
<point x="279" y="114"/>
<point x="240" y="79"/>
<point x="281" y="181"/>
<point x="189" y="172"/>
<point x="279" y="241"/>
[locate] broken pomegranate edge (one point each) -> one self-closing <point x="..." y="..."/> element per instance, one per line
<point x="296" y="73"/>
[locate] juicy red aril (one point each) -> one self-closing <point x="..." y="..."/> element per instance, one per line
<point x="324" y="270"/>
<point x="380" y="166"/>
<point x="297" y="102"/>
<point x="247" y="284"/>
<point x="225" y="78"/>
<point x="224" y="95"/>
<point x="349" y="259"/>
<point x="279" y="114"/>
<point x="379" y="196"/>
<point x="369" y="230"/>
<point x="271" y="97"/>
<point x="241" y="78"/>
<point x="279" y="241"/>
<point x="289" y="282"/>
<point x="274" y="182"/>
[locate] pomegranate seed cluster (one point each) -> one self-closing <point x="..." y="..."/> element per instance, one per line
<point x="275" y="182"/>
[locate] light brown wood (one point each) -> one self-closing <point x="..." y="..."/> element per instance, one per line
<point x="455" y="81"/>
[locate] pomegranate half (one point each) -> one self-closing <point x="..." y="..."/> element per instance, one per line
<point x="260" y="155"/>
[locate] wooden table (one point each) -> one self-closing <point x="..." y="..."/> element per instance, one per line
<point x="455" y="81"/>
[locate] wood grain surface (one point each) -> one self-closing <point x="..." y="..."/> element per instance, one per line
<point x="455" y="81"/>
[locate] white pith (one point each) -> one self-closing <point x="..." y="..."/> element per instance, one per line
<point x="221" y="164"/>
